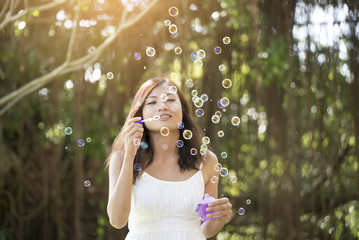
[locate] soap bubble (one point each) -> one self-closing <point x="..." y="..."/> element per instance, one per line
<point x="214" y="179"/>
<point x="150" y="51"/>
<point x="87" y="183"/>
<point x="179" y="143"/>
<point x="248" y="201"/>
<point x="136" y="141"/>
<point x="226" y="40"/>
<point x="80" y="143"/>
<point x="199" y="112"/>
<point x="172" y="28"/>
<point x="68" y="131"/>
<point x="167" y="22"/>
<point x="174" y="76"/>
<point x="221" y="67"/>
<point x="223" y="172"/>
<point x="233" y="179"/>
<point x="163" y="97"/>
<point x="235" y="121"/>
<point x="224" y="101"/>
<point x="218" y="113"/>
<point x="165" y="131"/>
<point x="241" y="211"/>
<point x="204" y="97"/>
<point x="227" y="83"/>
<point x="137" y="56"/>
<point x="193" y="151"/>
<point x="144" y="145"/>
<point x="224" y="155"/>
<point x="198" y="63"/>
<point x="178" y="50"/>
<point x="220" y="133"/>
<point x="164" y="146"/>
<point x="110" y="75"/>
<point x="189" y="83"/>
<point x="137" y="167"/>
<point x="194" y="56"/>
<point x="173" y="11"/>
<point x="172" y="89"/>
<point x="199" y="102"/>
<point x="88" y="139"/>
<point x="206" y="140"/>
<point x="217" y="50"/>
<point x="217" y="167"/>
<point x="194" y="93"/>
<point x="201" y="54"/>
<point x="180" y="125"/>
<point x="187" y="134"/>
<point x="215" y="119"/>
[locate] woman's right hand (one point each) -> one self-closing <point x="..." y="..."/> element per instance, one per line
<point x="132" y="131"/>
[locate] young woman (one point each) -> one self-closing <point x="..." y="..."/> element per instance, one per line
<point x="155" y="186"/>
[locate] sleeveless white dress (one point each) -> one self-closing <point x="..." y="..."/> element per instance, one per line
<point x="166" y="210"/>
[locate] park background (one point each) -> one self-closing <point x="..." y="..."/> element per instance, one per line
<point x="294" y="68"/>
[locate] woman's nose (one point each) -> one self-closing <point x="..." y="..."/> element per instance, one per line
<point x="162" y="105"/>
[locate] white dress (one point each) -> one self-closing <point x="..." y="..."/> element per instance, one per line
<point x="166" y="210"/>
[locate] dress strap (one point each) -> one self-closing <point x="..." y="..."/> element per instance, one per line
<point x="200" y="167"/>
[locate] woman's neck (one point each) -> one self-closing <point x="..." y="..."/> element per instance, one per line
<point x="164" y="147"/>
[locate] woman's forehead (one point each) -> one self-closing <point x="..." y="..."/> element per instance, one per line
<point x="161" y="89"/>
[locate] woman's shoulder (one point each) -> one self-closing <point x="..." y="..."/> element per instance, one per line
<point x="209" y="160"/>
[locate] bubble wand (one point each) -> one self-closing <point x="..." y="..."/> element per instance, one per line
<point x="148" y="119"/>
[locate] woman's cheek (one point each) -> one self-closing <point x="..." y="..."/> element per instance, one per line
<point x="175" y="107"/>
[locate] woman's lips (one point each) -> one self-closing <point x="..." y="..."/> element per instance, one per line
<point x="165" y="117"/>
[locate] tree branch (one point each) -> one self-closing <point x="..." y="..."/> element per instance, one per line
<point x="15" y="17"/>
<point x="73" y="33"/>
<point x="4" y="8"/>
<point x="70" y="66"/>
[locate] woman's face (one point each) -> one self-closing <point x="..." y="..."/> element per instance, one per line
<point x="161" y="102"/>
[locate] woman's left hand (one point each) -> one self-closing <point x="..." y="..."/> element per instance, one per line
<point x="222" y="208"/>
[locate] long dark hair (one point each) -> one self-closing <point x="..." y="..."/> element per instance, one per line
<point x="145" y="156"/>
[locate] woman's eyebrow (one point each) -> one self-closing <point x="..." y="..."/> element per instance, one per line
<point x="168" y="94"/>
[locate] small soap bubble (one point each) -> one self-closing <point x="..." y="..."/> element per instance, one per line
<point x="87" y="183"/>
<point x="150" y="51"/>
<point x="172" y="89"/>
<point x="224" y="155"/>
<point x="88" y="139"/>
<point x="173" y="11"/>
<point x="80" y="143"/>
<point x="199" y="102"/>
<point x="248" y="201"/>
<point x="194" y="56"/>
<point x="204" y="97"/>
<point x="198" y="63"/>
<point x="137" y="167"/>
<point x="68" y="131"/>
<point x="194" y="93"/>
<point x="226" y="40"/>
<point x="219" y="104"/>
<point x="236" y="121"/>
<point x="193" y="151"/>
<point x="136" y="141"/>
<point x="214" y="179"/>
<point x="224" y="101"/>
<point x="217" y="167"/>
<point x="241" y="211"/>
<point x="144" y="145"/>
<point x="172" y="28"/>
<point x="206" y="140"/>
<point x="221" y="67"/>
<point x="199" y="112"/>
<point x="189" y="83"/>
<point x="215" y="119"/>
<point x="220" y="133"/>
<point x="217" y="50"/>
<point x="174" y="76"/>
<point x="137" y="56"/>
<point x="233" y="179"/>
<point x="180" y="125"/>
<point x="201" y="54"/>
<point x="164" y="146"/>
<point x="227" y="83"/>
<point x="218" y="113"/>
<point x="110" y="75"/>
<point x="167" y="22"/>
<point x="179" y="143"/>
<point x="91" y="49"/>
<point x="178" y="50"/>
<point x="187" y="134"/>
<point x="223" y="172"/>
<point x="163" y="97"/>
<point x="203" y="151"/>
<point x="165" y="131"/>
<point x="156" y="117"/>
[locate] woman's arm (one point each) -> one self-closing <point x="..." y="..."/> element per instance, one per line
<point x="222" y="205"/>
<point x="121" y="176"/>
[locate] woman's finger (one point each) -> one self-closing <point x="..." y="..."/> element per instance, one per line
<point x="131" y="120"/>
<point x="134" y="130"/>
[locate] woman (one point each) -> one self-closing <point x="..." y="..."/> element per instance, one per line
<point x="156" y="186"/>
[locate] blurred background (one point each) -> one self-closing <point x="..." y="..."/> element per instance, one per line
<point x="292" y="70"/>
